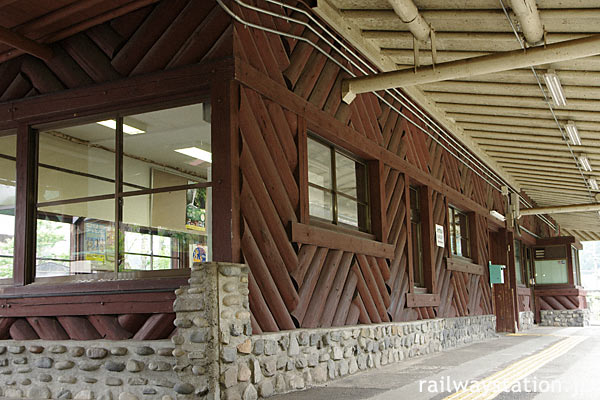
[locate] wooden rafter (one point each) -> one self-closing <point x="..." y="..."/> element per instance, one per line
<point x="24" y="44"/>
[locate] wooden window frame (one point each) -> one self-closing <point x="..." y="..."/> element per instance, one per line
<point x="427" y="296"/>
<point x="366" y="187"/>
<point x="469" y="232"/>
<point x="211" y="81"/>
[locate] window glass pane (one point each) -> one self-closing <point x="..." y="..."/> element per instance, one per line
<point x="345" y="174"/>
<point x="550" y="271"/>
<point x="165" y="148"/>
<point x="75" y="239"/>
<point x="138" y="243"/>
<point x="319" y="164"/>
<point x="160" y="231"/>
<point x="320" y="204"/>
<point x="8" y="172"/>
<point x="76" y="162"/>
<point x="452" y="230"/>
<point x="347" y="211"/>
<point x="417" y="250"/>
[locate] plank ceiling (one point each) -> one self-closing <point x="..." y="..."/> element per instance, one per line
<point x="504" y="113"/>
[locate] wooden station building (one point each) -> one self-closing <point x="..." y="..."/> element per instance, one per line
<point x="140" y="136"/>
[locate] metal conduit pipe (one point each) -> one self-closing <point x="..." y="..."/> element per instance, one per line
<point x="394" y="94"/>
<point x="409" y="14"/>
<point x="529" y="19"/>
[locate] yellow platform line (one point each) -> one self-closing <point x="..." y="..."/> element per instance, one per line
<point x="492" y="386"/>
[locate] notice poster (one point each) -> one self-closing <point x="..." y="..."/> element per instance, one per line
<point x="200" y="253"/>
<point x="195" y="212"/>
<point x="95" y="242"/>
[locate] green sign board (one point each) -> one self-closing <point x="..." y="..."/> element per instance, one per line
<point x="496" y="273"/>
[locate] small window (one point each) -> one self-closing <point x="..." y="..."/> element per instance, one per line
<point x="417" y="245"/>
<point x="337" y="189"/>
<point x="459" y="233"/>
<point x="575" y="262"/>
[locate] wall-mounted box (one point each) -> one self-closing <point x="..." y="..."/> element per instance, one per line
<point x="496" y="273"/>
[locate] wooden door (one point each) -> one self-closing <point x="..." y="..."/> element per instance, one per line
<point x="504" y="304"/>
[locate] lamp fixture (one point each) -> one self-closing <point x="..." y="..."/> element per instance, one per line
<point x="585" y="163"/>
<point x="497" y="215"/>
<point x="196" y="153"/>
<point x="128" y="129"/>
<point x="593" y="183"/>
<point x="555" y="88"/>
<point x="573" y="133"/>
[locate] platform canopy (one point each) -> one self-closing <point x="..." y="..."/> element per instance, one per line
<point x="509" y="113"/>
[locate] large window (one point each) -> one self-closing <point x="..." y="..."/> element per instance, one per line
<point x="459" y="232"/>
<point x="416" y="235"/>
<point x="7" y="204"/>
<point x="551" y="265"/>
<point x="124" y="194"/>
<point x="337" y="186"/>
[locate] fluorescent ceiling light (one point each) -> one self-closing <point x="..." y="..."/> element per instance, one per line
<point x="573" y="133"/>
<point x="497" y="215"/>
<point x="196" y="153"/>
<point x="593" y="183"/>
<point x="555" y="88"/>
<point x="585" y="163"/>
<point x="128" y="129"/>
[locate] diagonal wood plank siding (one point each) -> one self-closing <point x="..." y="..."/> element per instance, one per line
<point x="311" y="286"/>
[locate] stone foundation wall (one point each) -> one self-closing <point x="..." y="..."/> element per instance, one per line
<point x="565" y="318"/>
<point x="124" y="370"/>
<point x="217" y="357"/>
<point x="526" y="320"/>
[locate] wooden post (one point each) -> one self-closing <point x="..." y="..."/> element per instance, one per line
<point x="225" y="171"/>
<point x="377" y="200"/>
<point x="302" y="172"/>
<point x="119" y="236"/>
<point x="25" y="208"/>
<point x="428" y="237"/>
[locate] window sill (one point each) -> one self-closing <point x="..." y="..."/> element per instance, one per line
<point x="321" y="223"/>
<point x="422" y="300"/>
<point x="464" y="265"/>
<point x="138" y="281"/>
<point x="334" y="239"/>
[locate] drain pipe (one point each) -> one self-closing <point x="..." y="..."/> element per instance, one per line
<point x="409" y="14"/>
<point x="529" y="19"/>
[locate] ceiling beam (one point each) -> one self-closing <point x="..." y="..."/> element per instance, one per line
<point x="568" y="50"/>
<point x="521" y="112"/>
<point x="560" y="209"/>
<point x="24" y="44"/>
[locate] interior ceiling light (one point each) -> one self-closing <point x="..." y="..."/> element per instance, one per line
<point x="196" y="153"/>
<point x="593" y="183"/>
<point x="585" y="163"/>
<point x="128" y="129"/>
<point x="573" y="133"/>
<point x="555" y="88"/>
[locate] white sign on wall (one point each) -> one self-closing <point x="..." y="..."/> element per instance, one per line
<point x="439" y="235"/>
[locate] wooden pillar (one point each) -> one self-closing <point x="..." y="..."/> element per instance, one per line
<point x="25" y="208"/>
<point x="225" y="171"/>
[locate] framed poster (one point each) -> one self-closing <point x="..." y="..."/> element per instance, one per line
<point x="195" y="211"/>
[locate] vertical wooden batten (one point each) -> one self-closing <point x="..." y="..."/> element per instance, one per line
<point x="225" y="171"/>
<point x="25" y="208"/>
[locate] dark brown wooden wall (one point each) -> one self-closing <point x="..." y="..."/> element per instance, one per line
<point x="294" y="285"/>
<point x="162" y="36"/>
<point x="291" y="284"/>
